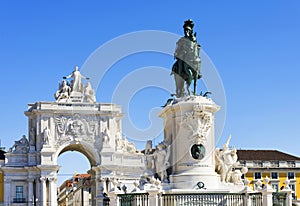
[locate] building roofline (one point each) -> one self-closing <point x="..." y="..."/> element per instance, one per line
<point x="265" y="155"/>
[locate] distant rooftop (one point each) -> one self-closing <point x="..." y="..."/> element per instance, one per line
<point x="2" y="153"/>
<point x="265" y="155"/>
<point x="81" y="176"/>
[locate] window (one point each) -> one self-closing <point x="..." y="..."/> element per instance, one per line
<point x="275" y="187"/>
<point x="257" y="175"/>
<point x="19" y="195"/>
<point x="292" y="186"/>
<point x="274" y="163"/>
<point x="291" y="175"/>
<point x="291" y="163"/>
<point x="274" y="175"/>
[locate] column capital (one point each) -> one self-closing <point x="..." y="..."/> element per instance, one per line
<point x="102" y="179"/>
<point x="96" y="168"/>
<point x="43" y="179"/>
<point x="153" y="192"/>
<point x="52" y="179"/>
<point x="30" y="180"/>
<point x="7" y="180"/>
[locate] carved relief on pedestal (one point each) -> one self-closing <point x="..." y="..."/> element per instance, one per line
<point x="75" y="128"/>
<point x="198" y="122"/>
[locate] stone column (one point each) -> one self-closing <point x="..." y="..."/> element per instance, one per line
<point x="7" y="192"/>
<point x="30" y="192"/>
<point x="96" y="186"/>
<point x="100" y="189"/>
<point x="52" y="191"/>
<point x="103" y="181"/>
<point x="44" y="191"/>
<point x="38" y="194"/>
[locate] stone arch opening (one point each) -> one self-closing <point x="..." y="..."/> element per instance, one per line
<point x="87" y="150"/>
<point x="92" y="156"/>
<point x="73" y="179"/>
<point x="71" y="163"/>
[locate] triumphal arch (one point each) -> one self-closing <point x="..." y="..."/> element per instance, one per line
<point x="74" y="122"/>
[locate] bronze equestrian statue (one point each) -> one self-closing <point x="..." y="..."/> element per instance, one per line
<point x="188" y="64"/>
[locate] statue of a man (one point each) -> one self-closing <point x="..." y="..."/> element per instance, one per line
<point x="187" y="66"/>
<point x="32" y="136"/>
<point x="76" y="84"/>
<point x="63" y="92"/>
<point x="46" y="135"/>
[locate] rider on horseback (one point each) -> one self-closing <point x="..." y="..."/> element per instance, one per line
<point x="187" y="65"/>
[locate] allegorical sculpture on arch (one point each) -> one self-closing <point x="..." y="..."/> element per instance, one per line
<point x="75" y="91"/>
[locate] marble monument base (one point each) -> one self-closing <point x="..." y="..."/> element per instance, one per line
<point x="198" y="181"/>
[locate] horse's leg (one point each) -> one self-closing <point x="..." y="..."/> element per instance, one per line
<point x="176" y="85"/>
<point x="179" y="85"/>
<point x="195" y="85"/>
<point x="188" y="88"/>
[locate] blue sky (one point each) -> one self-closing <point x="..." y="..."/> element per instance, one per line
<point x="253" y="44"/>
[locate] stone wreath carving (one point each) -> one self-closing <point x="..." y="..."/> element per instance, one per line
<point x="198" y="122"/>
<point x="75" y="129"/>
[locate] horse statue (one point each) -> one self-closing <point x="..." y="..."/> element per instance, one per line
<point x="188" y="64"/>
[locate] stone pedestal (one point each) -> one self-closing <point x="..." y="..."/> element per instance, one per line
<point x="153" y="196"/>
<point x="267" y="193"/>
<point x="76" y="97"/>
<point x="189" y="130"/>
<point x="289" y="197"/>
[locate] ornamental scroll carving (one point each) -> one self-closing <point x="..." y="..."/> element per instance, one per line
<point x="198" y="122"/>
<point x="75" y="128"/>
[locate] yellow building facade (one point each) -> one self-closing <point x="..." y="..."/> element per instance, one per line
<point x="2" y="160"/>
<point x="276" y="165"/>
<point x="1" y="187"/>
